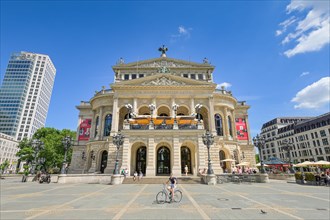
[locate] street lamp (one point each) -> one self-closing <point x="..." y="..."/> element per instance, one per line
<point x="208" y="139"/>
<point x="288" y="147"/>
<point x="198" y="109"/>
<point x="129" y="109"/>
<point x="259" y="141"/>
<point x="67" y="142"/>
<point x="37" y="146"/>
<point x="118" y="140"/>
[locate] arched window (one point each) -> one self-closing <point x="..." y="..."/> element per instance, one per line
<point x="185" y="159"/>
<point x="222" y="156"/>
<point x="96" y="126"/>
<point x="163" y="161"/>
<point x="218" y="124"/>
<point x="141" y="160"/>
<point x="107" y="125"/>
<point x="230" y="126"/>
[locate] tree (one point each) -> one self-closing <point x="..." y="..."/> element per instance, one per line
<point x="257" y="158"/>
<point x="53" y="150"/>
<point x="4" y="166"/>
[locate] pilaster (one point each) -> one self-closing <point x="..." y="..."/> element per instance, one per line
<point x="151" y="168"/>
<point x="176" y="169"/>
<point x="115" y="116"/>
<point x="211" y="107"/>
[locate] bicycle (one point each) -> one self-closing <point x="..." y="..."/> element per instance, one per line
<point x="164" y="195"/>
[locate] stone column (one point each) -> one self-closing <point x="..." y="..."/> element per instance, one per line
<point x="176" y="169"/>
<point x="115" y="116"/>
<point x="100" y="133"/>
<point x="124" y="155"/>
<point x="211" y="120"/>
<point x="111" y="158"/>
<point x="93" y="127"/>
<point x="151" y="157"/>
<point x="233" y="122"/>
<point x="202" y="152"/>
<point x="225" y="123"/>
<point x="135" y="106"/>
<point x="192" y="105"/>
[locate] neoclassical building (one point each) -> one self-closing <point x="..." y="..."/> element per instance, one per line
<point x="163" y="107"/>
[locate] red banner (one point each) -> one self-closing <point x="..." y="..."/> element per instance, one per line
<point x="241" y="129"/>
<point x="85" y="129"/>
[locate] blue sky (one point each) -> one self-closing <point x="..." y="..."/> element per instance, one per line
<point x="273" y="54"/>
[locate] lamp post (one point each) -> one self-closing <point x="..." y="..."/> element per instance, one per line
<point x="208" y="139"/>
<point x="67" y="142"/>
<point x="259" y="141"/>
<point x="198" y="109"/>
<point x="118" y="140"/>
<point x="288" y="147"/>
<point x="37" y="146"/>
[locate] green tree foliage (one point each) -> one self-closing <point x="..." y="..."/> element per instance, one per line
<point x="4" y="166"/>
<point x="53" y="150"/>
<point x="257" y="158"/>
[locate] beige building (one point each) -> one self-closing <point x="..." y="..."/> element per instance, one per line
<point x="8" y="150"/>
<point x="162" y="106"/>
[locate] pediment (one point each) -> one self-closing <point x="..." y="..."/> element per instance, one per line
<point x="162" y="62"/>
<point x="162" y="80"/>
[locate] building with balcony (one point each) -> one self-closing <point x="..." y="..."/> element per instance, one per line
<point x="308" y="138"/>
<point x="162" y="106"/>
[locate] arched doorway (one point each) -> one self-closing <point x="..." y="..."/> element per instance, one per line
<point x="163" y="161"/>
<point x="222" y="157"/>
<point x="104" y="160"/>
<point x="141" y="160"/>
<point x="185" y="159"/>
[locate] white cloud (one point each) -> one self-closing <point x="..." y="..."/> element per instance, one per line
<point x="183" y="33"/>
<point x="311" y="32"/>
<point x="224" y="84"/>
<point x="304" y="74"/>
<point x="314" y="96"/>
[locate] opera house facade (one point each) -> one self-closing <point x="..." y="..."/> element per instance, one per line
<point x="163" y="107"/>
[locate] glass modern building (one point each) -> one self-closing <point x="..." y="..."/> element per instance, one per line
<point x="25" y="94"/>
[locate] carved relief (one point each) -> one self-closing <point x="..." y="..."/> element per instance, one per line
<point x="164" y="63"/>
<point x="163" y="81"/>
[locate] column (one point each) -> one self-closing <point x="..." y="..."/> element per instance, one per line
<point x="115" y="116"/>
<point x="176" y="169"/>
<point x="155" y="111"/>
<point x="135" y="110"/>
<point x="202" y="153"/>
<point x="212" y="123"/>
<point x="151" y="157"/>
<point x="92" y="135"/>
<point x="225" y="123"/>
<point x="101" y="121"/>
<point x="124" y="155"/>
<point x="192" y="105"/>
<point x="233" y="118"/>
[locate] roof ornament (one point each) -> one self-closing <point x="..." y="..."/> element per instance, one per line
<point x="121" y="61"/>
<point x="163" y="50"/>
<point x="205" y="60"/>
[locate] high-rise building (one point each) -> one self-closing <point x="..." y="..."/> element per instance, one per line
<point x="25" y="94"/>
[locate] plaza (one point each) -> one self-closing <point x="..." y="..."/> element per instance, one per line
<point x="278" y="198"/>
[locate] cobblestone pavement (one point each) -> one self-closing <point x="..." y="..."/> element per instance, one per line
<point x="280" y="200"/>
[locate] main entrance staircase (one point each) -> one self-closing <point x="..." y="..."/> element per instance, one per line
<point x="162" y="179"/>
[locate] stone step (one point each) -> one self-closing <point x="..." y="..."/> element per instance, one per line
<point x="161" y="180"/>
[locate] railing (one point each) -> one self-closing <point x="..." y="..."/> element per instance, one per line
<point x="139" y="127"/>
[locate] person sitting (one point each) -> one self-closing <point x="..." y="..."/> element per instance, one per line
<point x="172" y="180"/>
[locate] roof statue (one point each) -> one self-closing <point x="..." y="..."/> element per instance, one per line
<point x="163" y="50"/>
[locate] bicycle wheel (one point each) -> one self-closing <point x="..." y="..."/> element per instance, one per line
<point x="161" y="197"/>
<point x="177" y="196"/>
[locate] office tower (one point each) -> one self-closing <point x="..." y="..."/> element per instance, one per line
<point x="25" y="94"/>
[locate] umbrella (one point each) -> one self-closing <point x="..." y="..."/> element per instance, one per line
<point x="321" y="162"/>
<point x="305" y="164"/>
<point x="259" y="165"/>
<point x="243" y="164"/>
<point x="228" y="160"/>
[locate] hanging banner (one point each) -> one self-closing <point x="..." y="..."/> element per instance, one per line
<point x="85" y="129"/>
<point x="241" y="129"/>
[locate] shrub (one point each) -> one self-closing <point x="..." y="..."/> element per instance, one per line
<point x="298" y="176"/>
<point x="309" y="176"/>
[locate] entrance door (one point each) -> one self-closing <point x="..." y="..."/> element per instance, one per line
<point x="163" y="161"/>
<point x="185" y="159"/>
<point x="141" y="157"/>
<point x="104" y="161"/>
